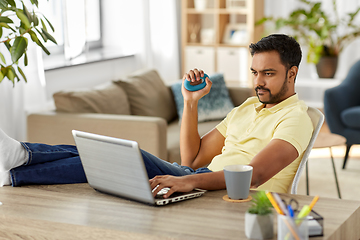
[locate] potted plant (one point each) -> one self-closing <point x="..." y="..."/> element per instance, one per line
<point x="324" y="37"/>
<point x="259" y="218"/>
<point x="18" y="25"/>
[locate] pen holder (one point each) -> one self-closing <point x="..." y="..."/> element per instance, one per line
<point x="288" y="230"/>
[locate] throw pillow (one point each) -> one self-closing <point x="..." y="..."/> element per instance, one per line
<point x="107" y="98"/>
<point x="213" y="106"/>
<point x="148" y="95"/>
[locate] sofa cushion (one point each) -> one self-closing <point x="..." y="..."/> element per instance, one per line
<point x="351" y="116"/>
<point x="106" y="98"/>
<point x="213" y="106"/>
<point x="148" y="95"/>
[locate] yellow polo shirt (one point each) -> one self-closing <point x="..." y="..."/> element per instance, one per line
<point x="249" y="127"/>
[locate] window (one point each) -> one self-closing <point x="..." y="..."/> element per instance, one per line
<point x="77" y="25"/>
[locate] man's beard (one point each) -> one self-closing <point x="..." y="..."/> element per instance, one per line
<point x="274" y="98"/>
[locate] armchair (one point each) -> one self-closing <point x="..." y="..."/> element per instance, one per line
<point x="342" y="108"/>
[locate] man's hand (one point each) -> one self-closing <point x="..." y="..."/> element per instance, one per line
<point x="176" y="184"/>
<point x="194" y="77"/>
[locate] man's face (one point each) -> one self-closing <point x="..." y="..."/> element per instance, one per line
<point x="271" y="80"/>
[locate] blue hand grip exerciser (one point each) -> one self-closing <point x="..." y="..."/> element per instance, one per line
<point x="197" y="87"/>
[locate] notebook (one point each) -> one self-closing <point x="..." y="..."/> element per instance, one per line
<point x="115" y="166"/>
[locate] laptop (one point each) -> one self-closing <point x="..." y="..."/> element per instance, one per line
<point x="115" y="166"/>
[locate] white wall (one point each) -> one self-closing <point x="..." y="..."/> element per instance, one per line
<point x="89" y="75"/>
<point x="282" y="8"/>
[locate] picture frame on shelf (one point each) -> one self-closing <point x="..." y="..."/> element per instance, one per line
<point x="235" y="34"/>
<point x="238" y="4"/>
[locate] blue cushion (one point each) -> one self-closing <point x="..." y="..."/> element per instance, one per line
<point x="351" y="117"/>
<point x="213" y="106"/>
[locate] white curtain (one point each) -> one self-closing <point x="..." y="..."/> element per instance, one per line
<point x="282" y="8"/>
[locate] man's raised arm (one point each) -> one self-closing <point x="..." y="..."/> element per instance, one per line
<point x="196" y="151"/>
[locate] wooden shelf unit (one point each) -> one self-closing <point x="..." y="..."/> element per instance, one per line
<point x="204" y="45"/>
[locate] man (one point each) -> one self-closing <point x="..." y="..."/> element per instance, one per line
<point x="281" y="120"/>
<point x="269" y="132"/>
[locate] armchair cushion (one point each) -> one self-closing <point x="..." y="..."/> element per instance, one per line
<point x="213" y="106"/>
<point x="351" y="116"/>
<point x="107" y="98"/>
<point x="148" y="95"/>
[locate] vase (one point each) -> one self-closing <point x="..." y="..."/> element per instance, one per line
<point x="259" y="226"/>
<point x="200" y="5"/>
<point x="326" y="67"/>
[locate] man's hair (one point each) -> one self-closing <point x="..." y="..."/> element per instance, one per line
<point x="287" y="47"/>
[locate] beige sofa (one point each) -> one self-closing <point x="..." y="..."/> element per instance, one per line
<point x="139" y="108"/>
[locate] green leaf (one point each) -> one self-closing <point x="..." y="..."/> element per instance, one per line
<point x="23" y="18"/>
<point x="11" y="76"/>
<point x="51" y="38"/>
<point x="35" y="2"/>
<point x="43" y="24"/>
<point x="1" y="76"/>
<point x="25" y="60"/>
<point x="7" y="44"/>
<point x="4" y="70"/>
<point x="43" y="48"/>
<point x="42" y="35"/>
<point x="18" y="49"/>
<point x="33" y="36"/>
<point x="16" y="76"/>
<point x="2" y="58"/>
<point x="5" y="20"/>
<point x="5" y="25"/>
<point x="260" y="204"/>
<point x="3" y="4"/>
<point x="37" y="41"/>
<point x="1" y="32"/>
<point x="35" y="19"/>
<point x="11" y="2"/>
<point x="27" y="14"/>
<point x="2" y="24"/>
<point x="22" y="74"/>
<point x="22" y="30"/>
<point x="51" y="26"/>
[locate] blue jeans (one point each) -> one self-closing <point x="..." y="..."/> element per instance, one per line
<point x="60" y="164"/>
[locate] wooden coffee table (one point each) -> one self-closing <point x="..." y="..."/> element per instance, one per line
<point x="327" y="140"/>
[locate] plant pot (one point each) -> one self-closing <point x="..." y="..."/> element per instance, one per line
<point x="259" y="226"/>
<point x="326" y="67"/>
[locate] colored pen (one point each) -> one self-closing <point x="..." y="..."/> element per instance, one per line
<point x="292" y="229"/>
<point x="291" y="211"/>
<point x="306" y="210"/>
<point x="281" y="204"/>
<point x="273" y="202"/>
<point x="313" y="202"/>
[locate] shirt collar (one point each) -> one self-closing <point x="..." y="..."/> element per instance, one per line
<point x="290" y="100"/>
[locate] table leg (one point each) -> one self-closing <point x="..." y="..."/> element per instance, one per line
<point x="336" y="180"/>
